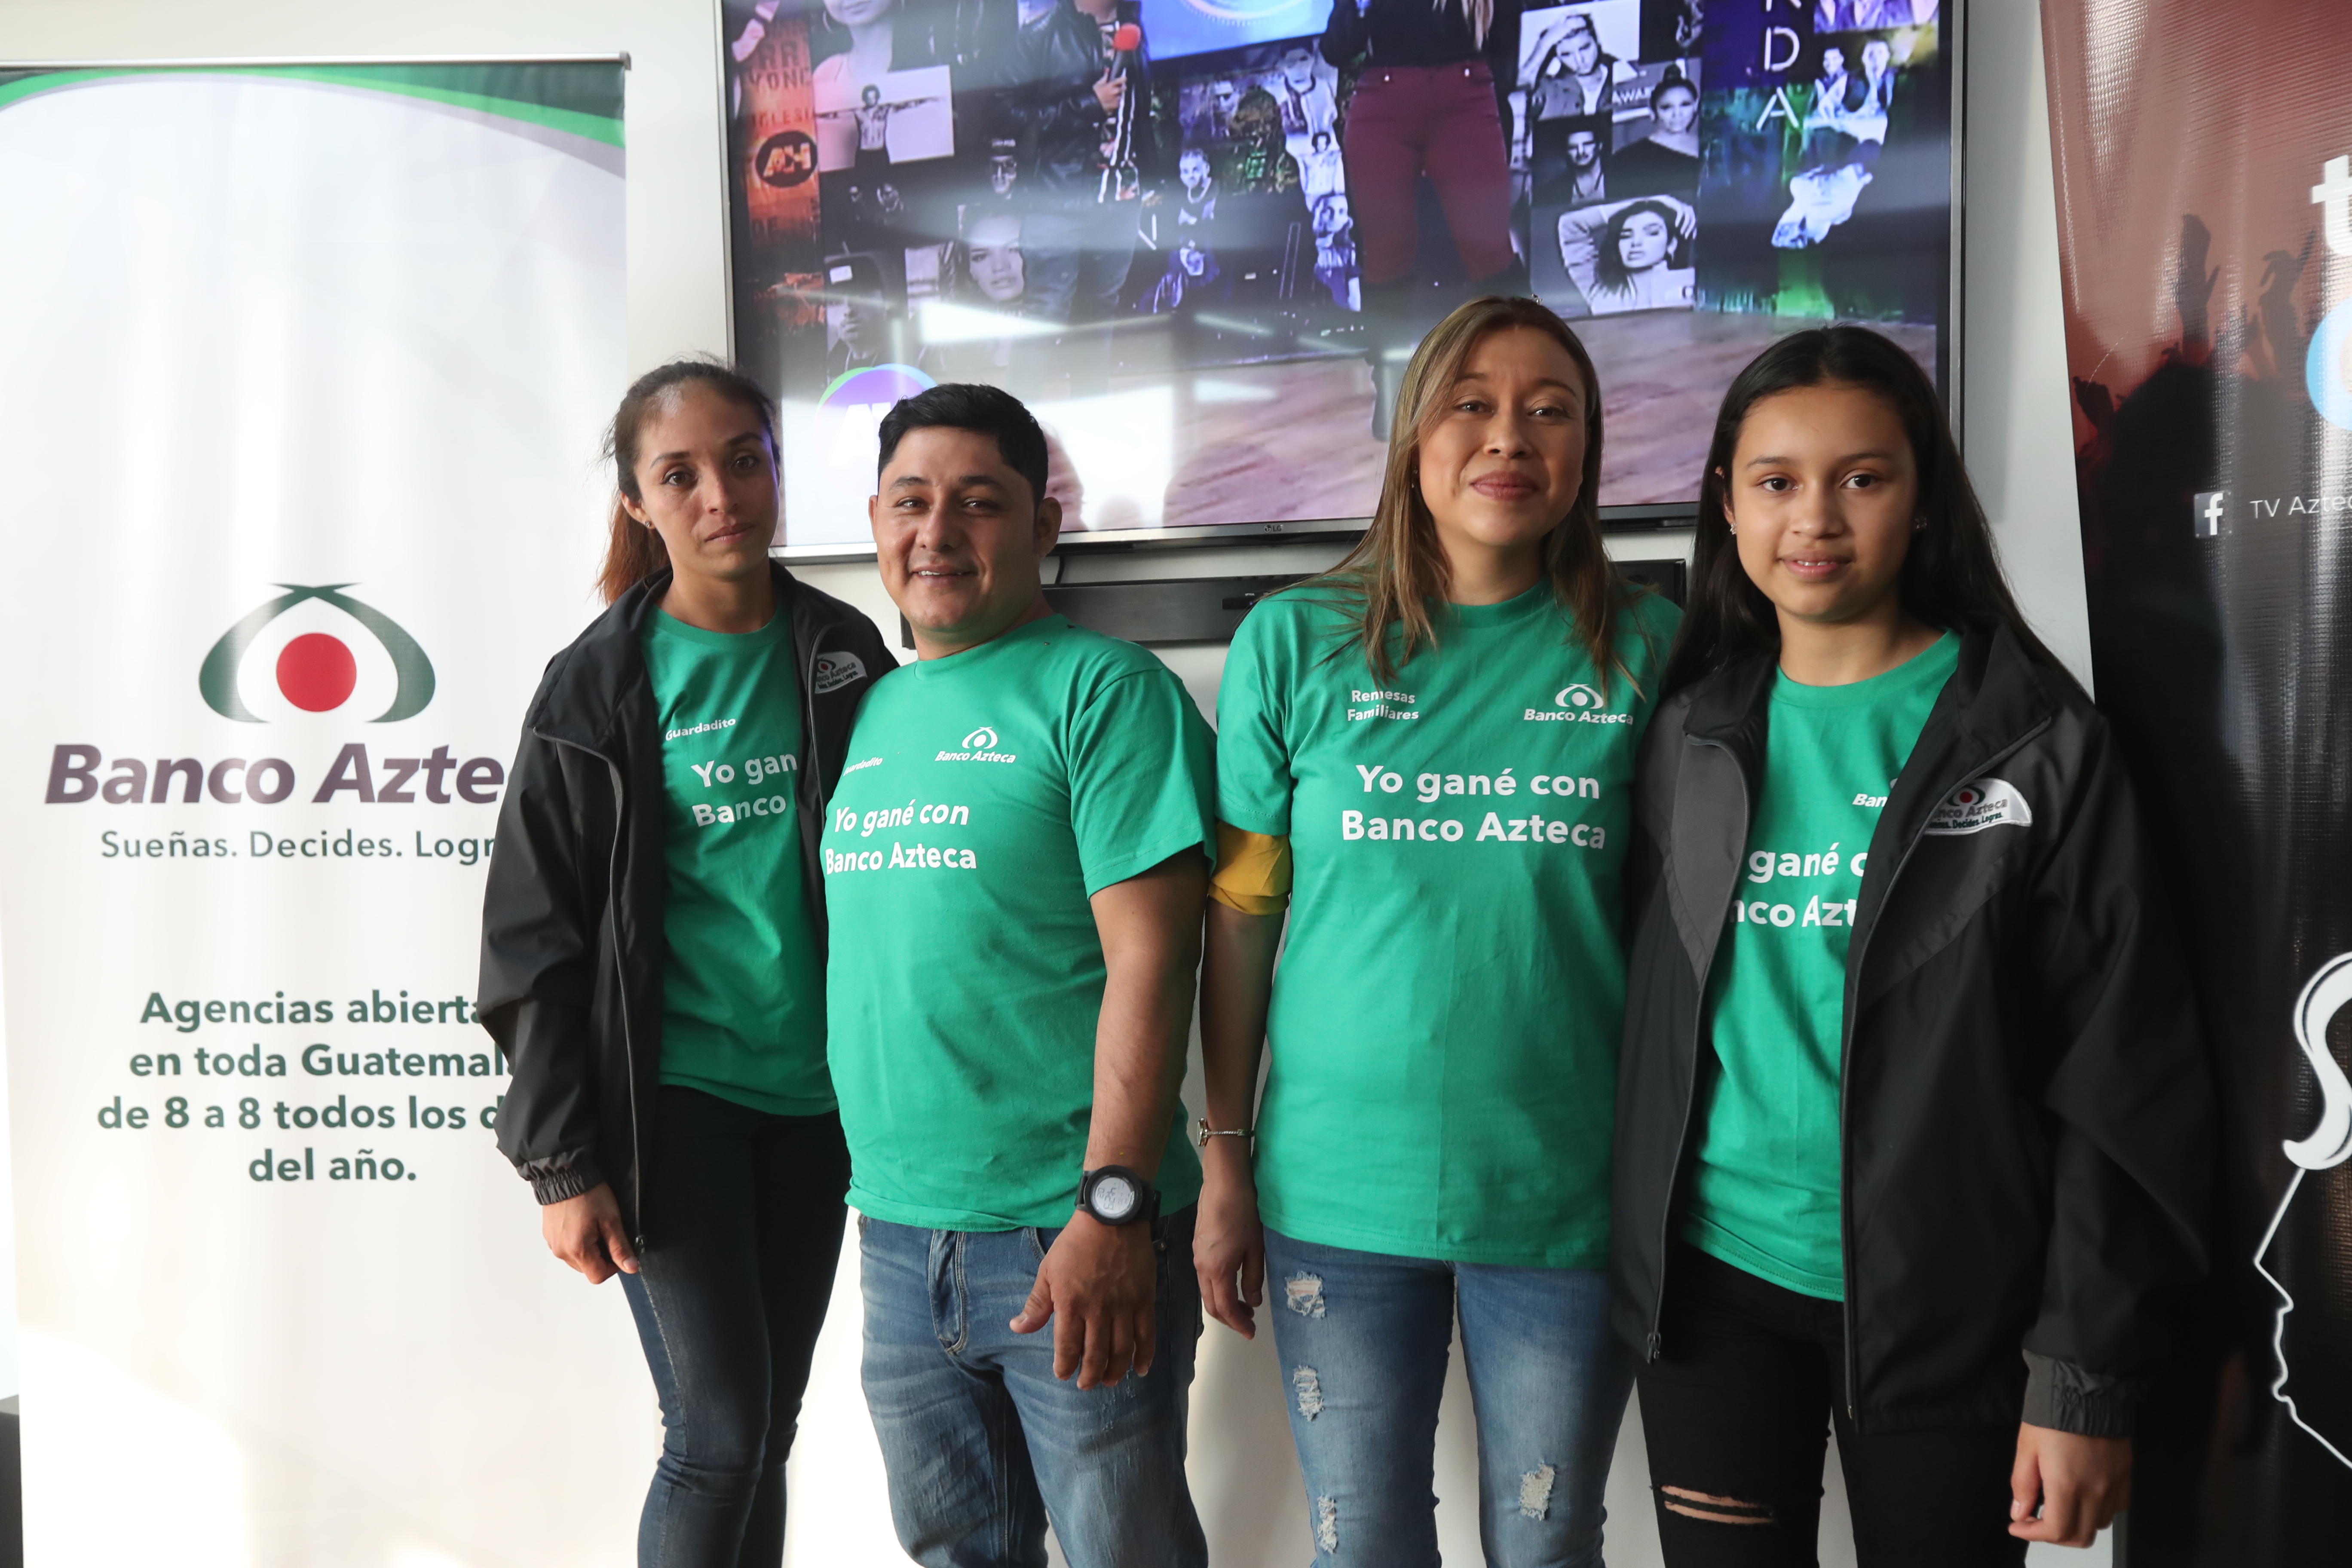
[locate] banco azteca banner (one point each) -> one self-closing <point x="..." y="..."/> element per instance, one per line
<point x="2204" y="166"/>
<point x="305" y="368"/>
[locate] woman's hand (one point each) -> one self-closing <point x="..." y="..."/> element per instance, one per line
<point x="586" y="1232"/>
<point x="1228" y="1243"/>
<point x="1685" y="219"/>
<point x="2067" y="1489"/>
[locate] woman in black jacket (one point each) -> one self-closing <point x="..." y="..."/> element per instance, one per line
<point x="653" y="952"/>
<point x="1912" y="1118"/>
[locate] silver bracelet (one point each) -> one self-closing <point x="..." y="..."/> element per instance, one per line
<point x="1203" y="1132"/>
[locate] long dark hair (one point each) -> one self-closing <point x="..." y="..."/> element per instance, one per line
<point x="1609" y="269"/>
<point x="1388" y="580"/>
<point x="634" y="552"/>
<point x="1951" y="573"/>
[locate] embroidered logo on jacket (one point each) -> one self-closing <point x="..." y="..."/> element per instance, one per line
<point x="1980" y="803"/>
<point x="835" y="670"/>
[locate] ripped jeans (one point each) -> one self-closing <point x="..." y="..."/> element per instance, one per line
<point x="1364" y="1339"/>
<point x="1737" y="1410"/>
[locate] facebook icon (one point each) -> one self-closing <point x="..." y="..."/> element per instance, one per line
<point x="2205" y="514"/>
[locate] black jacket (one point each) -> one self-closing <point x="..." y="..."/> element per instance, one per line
<point x="2027" y="1154"/>
<point x="572" y="946"/>
<point x="1054" y="62"/>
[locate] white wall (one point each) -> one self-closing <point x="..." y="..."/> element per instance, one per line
<point x="2018" y="438"/>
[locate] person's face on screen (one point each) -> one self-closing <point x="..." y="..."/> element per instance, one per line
<point x="1225" y="93"/>
<point x="1677" y="110"/>
<point x="1820" y="496"/>
<point x="858" y="13"/>
<point x="1002" y="172"/>
<point x="863" y="324"/>
<point x="994" y="249"/>
<point x="1192" y="168"/>
<point x="1503" y="462"/>
<point x="1642" y="241"/>
<point x="1583" y="149"/>
<point x="1833" y="62"/>
<point x="1875" y="56"/>
<point x="1298" y="69"/>
<point x="1581" y="50"/>
<point x="1189" y="257"/>
<point x="707" y="483"/>
<point x="958" y="536"/>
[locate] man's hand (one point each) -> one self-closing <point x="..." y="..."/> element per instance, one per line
<point x="2067" y="1489"/>
<point x="586" y="1232"/>
<point x="1107" y="93"/>
<point x="1228" y="1242"/>
<point x="1095" y="1286"/>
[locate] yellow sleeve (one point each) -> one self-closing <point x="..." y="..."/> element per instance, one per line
<point x="1253" y="871"/>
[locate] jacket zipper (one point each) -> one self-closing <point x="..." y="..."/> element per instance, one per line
<point x="815" y="767"/>
<point x="1690" y="1104"/>
<point x="1846" y="1063"/>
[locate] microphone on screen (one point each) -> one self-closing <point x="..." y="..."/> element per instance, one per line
<point x="1127" y="38"/>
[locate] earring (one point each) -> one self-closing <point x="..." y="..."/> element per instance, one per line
<point x="1920" y="525"/>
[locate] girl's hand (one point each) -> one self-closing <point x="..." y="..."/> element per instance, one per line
<point x="1228" y="1243"/>
<point x="586" y="1232"/>
<point x="2067" y="1489"/>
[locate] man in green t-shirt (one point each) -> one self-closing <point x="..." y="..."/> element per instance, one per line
<point x="1014" y="865"/>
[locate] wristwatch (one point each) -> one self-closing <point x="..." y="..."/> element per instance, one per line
<point x="1115" y="1196"/>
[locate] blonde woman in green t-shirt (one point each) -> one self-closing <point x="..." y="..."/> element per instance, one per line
<point x="1427" y="755"/>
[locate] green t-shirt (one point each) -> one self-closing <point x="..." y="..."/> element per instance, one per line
<point x="743" y="985"/>
<point x="1446" y="1011"/>
<point x="988" y="796"/>
<point x="1764" y="1194"/>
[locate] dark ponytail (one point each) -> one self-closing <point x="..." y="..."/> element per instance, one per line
<point x="634" y="552"/>
<point x="1951" y="573"/>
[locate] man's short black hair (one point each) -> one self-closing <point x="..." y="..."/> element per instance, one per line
<point x="972" y="406"/>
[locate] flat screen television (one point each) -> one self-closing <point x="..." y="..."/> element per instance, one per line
<point x="1197" y="236"/>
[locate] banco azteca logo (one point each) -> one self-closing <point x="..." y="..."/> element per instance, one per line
<point x="981" y="740"/>
<point x="1579" y="697"/>
<point x="316" y="671"/>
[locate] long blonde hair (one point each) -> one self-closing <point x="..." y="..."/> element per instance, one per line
<point x="1387" y="581"/>
<point x="1479" y="13"/>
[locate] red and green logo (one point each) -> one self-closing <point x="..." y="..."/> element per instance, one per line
<point x="316" y="671"/>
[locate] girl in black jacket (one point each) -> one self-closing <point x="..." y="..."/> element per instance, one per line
<point x="1912" y="1116"/>
<point x="653" y="952"/>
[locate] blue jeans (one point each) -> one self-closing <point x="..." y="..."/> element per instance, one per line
<point x="743" y="1221"/>
<point x="1364" y="1338"/>
<point x="982" y="1443"/>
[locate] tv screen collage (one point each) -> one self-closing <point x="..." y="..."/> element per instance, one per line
<point x="1184" y="231"/>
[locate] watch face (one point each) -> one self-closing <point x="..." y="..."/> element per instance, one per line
<point x="1113" y="1198"/>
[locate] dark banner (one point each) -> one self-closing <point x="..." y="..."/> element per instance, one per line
<point x="2205" y="229"/>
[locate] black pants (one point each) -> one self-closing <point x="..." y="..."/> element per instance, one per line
<point x="1733" y="1413"/>
<point x="744" y="1216"/>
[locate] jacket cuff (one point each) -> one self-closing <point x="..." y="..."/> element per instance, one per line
<point x="552" y="1183"/>
<point x="2064" y="1397"/>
